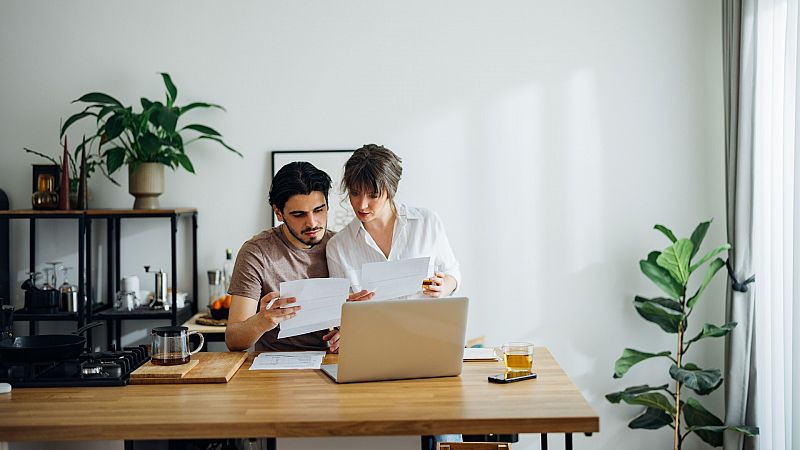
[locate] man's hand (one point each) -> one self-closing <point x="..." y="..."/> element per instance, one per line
<point x="276" y="313"/>
<point x="332" y="338"/>
<point x="360" y="296"/>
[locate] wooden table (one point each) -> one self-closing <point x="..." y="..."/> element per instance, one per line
<point x="303" y="404"/>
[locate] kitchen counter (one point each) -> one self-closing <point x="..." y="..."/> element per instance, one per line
<point x="302" y="403"/>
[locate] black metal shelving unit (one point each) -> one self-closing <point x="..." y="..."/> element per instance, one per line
<point x="33" y="216"/>
<point x="105" y="311"/>
<point x="113" y="219"/>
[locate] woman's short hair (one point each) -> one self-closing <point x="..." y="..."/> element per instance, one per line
<point x="372" y="169"/>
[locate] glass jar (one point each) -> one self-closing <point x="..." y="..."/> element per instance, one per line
<point x="45" y="196"/>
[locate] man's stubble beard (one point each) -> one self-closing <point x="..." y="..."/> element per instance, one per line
<point x="301" y="239"/>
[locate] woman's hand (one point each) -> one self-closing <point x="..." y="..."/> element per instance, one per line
<point x="360" y="296"/>
<point x="441" y="285"/>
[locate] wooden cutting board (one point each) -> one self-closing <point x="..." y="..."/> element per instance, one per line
<point x="150" y="370"/>
<point x="211" y="367"/>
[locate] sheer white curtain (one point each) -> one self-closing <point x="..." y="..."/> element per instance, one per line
<point x="776" y="219"/>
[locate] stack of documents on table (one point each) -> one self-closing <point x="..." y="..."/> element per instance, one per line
<point x="321" y="302"/>
<point x="394" y="279"/>
<point x="479" y="354"/>
<point x="287" y="360"/>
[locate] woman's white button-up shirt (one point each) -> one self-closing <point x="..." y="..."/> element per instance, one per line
<point x="418" y="232"/>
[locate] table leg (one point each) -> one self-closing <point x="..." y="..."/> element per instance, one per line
<point x="568" y="441"/>
<point x="544" y="440"/>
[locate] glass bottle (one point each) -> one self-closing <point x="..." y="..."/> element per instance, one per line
<point x="227" y="269"/>
<point x="216" y="288"/>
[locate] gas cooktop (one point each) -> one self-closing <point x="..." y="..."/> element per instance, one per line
<point x="111" y="368"/>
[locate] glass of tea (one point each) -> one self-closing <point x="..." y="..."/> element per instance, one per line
<point x="517" y="356"/>
<point x="427" y="282"/>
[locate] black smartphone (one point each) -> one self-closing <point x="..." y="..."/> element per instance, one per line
<point x="510" y="377"/>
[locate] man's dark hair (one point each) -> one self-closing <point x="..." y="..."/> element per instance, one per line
<point x="295" y="178"/>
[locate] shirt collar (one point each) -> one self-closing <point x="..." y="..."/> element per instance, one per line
<point x="404" y="214"/>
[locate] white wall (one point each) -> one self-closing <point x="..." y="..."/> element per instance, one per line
<point x="550" y="137"/>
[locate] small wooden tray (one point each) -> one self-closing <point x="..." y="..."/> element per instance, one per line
<point x="150" y="370"/>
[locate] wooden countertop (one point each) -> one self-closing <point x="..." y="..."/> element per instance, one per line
<point x="192" y="325"/>
<point x="302" y="403"/>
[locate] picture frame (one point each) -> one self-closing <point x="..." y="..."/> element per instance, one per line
<point x="332" y="162"/>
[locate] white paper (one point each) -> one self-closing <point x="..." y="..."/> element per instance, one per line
<point x="287" y="360"/>
<point x="321" y="302"/>
<point x="393" y="279"/>
<point x="479" y="354"/>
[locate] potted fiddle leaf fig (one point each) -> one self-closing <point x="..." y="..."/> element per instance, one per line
<point x="145" y="141"/>
<point x="666" y="404"/>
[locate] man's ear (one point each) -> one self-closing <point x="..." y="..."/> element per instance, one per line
<point x="278" y="213"/>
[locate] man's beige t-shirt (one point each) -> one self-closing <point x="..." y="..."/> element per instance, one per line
<point x="265" y="261"/>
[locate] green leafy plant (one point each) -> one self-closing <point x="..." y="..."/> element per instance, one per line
<point x="149" y="136"/>
<point x="670" y="270"/>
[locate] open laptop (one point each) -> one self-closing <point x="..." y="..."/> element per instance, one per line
<point x="399" y="339"/>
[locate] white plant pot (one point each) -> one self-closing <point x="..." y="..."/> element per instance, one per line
<point x="146" y="183"/>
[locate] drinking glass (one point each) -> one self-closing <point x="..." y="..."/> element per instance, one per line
<point x="438" y="267"/>
<point x="48" y="279"/>
<point x="55" y="266"/>
<point x="517" y="356"/>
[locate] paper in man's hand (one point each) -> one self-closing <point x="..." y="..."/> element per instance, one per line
<point x="321" y="302"/>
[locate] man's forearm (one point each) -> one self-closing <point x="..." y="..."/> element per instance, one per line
<point x="242" y="335"/>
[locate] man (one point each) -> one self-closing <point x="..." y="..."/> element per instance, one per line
<point x="291" y="251"/>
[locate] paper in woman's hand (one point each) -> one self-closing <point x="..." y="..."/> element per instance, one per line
<point x="394" y="279"/>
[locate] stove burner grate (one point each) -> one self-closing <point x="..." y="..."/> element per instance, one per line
<point x="111" y="368"/>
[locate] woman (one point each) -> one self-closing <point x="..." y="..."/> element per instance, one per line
<point x="384" y="230"/>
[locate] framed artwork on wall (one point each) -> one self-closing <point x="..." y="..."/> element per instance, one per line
<point x="332" y="162"/>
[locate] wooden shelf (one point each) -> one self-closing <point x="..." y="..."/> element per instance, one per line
<point x="41" y="213"/>
<point x="72" y="213"/>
